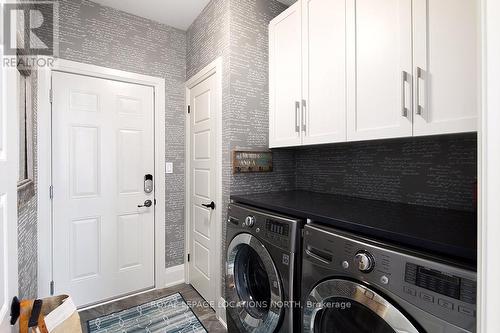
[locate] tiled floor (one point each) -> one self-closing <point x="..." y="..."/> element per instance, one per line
<point x="200" y="308"/>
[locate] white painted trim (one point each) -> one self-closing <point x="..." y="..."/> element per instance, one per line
<point x="489" y="178"/>
<point x="222" y="316"/>
<point x="214" y="67"/>
<point x="45" y="231"/>
<point x="44" y="163"/>
<point x="174" y="275"/>
<point x="115" y="299"/>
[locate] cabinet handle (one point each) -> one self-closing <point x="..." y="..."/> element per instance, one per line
<point x="420" y="76"/>
<point x="404" y="109"/>
<point x="304" y="109"/>
<point x="297" y="108"/>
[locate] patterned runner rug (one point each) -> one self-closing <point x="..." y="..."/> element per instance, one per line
<point x="170" y="314"/>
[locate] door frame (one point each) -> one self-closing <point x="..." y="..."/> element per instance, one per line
<point x="44" y="164"/>
<point x="488" y="270"/>
<point x="214" y="68"/>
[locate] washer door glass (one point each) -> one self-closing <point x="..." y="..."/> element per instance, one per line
<point x="253" y="287"/>
<point x="252" y="282"/>
<point x="339" y="305"/>
<point x="335" y="317"/>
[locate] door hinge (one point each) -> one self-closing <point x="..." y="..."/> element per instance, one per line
<point x="52" y="288"/>
<point x="189" y="108"/>
<point x="51" y="192"/>
<point x="189" y="257"/>
<point x="51" y="96"/>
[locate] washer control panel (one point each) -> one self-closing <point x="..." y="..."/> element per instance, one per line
<point x="441" y="283"/>
<point x="249" y="221"/>
<point x="434" y="286"/>
<point x="365" y="261"/>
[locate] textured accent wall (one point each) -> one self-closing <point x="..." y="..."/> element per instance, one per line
<point x="248" y="126"/>
<point x="27" y="249"/>
<point x="103" y="36"/>
<point x="27" y="232"/>
<point x="207" y="39"/>
<point x="237" y="31"/>
<point x="439" y="171"/>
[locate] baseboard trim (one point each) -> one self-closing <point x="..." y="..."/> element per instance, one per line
<point x="222" y="322"/>
<point x="221" y="312"/>
<point x="174" y="275"/>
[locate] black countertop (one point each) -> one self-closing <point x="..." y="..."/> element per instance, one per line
<point x="444" y="232"/>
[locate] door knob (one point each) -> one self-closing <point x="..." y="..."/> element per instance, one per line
<point x="211" y="205"/>
<point x="147" y="203"/>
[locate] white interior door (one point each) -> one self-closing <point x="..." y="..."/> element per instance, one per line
<point x="324" y="71"/>
<point x="202" y="173"/>
<point x="379" y="58"/>
<point x="8" y="193"/>
<point x="446" y="43"/>
<point x="103" y="146"/>
<point x="285" y="78"/>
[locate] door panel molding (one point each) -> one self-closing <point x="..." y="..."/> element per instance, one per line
<point x="45" y="228"/>
<point x="378" y="96"/>
<point x="214" y="68"/>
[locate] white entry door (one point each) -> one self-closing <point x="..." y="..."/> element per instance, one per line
<point x="103" y="147"/>
<point x="203" y="187"/>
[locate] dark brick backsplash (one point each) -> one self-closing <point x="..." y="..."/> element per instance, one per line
<point x="438" y="171"/>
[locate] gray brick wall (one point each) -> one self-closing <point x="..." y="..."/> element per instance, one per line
<point x="27" y="232"/>
<point x="237" y="31"/>
<point x="438" y="171"/>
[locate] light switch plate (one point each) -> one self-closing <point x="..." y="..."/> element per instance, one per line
<point x="169" y="167"/>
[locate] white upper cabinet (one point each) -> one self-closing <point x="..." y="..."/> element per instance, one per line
<point x="379" y="69"/>
<point x="285" y="78"/>
<point x="324" y="70"/>
<point x="446" y="68"/>
<point x="349" y="70"/>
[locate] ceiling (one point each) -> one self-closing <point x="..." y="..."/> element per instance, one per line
<point x="175" y="13"/>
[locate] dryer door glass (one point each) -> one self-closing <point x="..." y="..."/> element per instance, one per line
<point x="252" y="281"/>
<point x="339" y="305"/>
<point x="253" y="285"/>
<point x="345" y="315"/>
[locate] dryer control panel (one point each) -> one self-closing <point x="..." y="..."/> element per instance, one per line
<point x="430" y="284"/>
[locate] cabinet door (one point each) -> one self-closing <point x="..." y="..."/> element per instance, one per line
<point x="379" y="69"/>
<point x="446" y="66"/>
<point x="324" y="70"/>
<point x="285" y="78"/>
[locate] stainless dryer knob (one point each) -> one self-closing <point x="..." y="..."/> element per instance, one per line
<point x="365" y="261"/>
<point x="250" y="221"/>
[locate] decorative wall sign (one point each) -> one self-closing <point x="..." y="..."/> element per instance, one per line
<point x="252" y="161"/>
